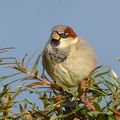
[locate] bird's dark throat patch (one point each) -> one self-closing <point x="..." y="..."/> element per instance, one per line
<point x="55" y="43"/>
<point x="58" y="56"/>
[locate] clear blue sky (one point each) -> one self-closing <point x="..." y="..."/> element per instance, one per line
<point x="26" y="25"/>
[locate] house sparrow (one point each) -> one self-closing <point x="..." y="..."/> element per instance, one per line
<point x="67" y="58"/>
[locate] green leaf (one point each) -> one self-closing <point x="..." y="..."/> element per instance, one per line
<point x="103" y="73"/>
<point x="21" y="108"/>
<point x="6" y="49"/>
<point x="111" y="117"/>
<point x="96" y="69"/>
<point x="99" y="99"/>
<point x="7" y="58"/>
<point x="84" y="111"/>
<point x="98" y="91"/>
<point x="7" y="63"/>
<point x="19" y="91"/>
<point x="110" y="86"/>
<point x="23" y="60"/>
<point x="102" y="116"/>
<point x="31" y="57"/>
<point x="34" y="68"/>
<point x="97" y="106"/>
<point x="9" y="76"/>
<point x="114" y="78"/>
<point x="4" y="92"/>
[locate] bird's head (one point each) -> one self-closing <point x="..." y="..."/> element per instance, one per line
<point x="62" y="36"/>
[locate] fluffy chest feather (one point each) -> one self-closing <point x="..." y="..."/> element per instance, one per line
<point x="69" y="66"/>
<point x="58" y="56"/>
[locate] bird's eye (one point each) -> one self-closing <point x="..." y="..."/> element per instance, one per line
<point x="64" y="35"/>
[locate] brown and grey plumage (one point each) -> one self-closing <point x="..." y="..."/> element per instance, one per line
<point x="67" y="58"/>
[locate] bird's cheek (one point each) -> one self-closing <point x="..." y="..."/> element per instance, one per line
<point x="65" y="43"/>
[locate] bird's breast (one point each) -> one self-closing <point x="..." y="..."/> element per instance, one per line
<point x="58" y="56"/>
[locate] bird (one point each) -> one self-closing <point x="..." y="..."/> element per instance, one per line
<point x="67" y="58"/>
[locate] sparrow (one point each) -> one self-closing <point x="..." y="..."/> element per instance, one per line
<point x="67" y="58"/>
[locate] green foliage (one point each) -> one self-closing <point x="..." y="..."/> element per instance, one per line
<point x="100" y="100"/>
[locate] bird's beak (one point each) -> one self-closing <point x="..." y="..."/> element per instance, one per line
<point x="55" y="36"/>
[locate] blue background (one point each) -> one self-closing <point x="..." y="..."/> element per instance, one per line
<point x="26" y="25"/>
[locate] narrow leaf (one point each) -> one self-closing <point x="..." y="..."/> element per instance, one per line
<point x="97" y="106"/>
<point x="35" y="84"/>
<point x="34" y="68"/>
<point x="5" y="49"/>
<point x="99" y="99"/>
<point x="114" y="74"/>
<point x="8" y="48"/>
<point x="31" y="58"/>
<point x="103" y="73"/>
<point x="5" y="77"/>
<point x="23" y="60"/>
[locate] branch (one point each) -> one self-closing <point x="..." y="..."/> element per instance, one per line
<point x="34" y="75"/>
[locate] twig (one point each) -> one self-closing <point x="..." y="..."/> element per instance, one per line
<point x="34" y="75"/>
<point x="116" y="113"/>
<point x="45" y="81"/>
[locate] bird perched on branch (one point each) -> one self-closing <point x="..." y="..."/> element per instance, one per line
<point x="67" y="58"/>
